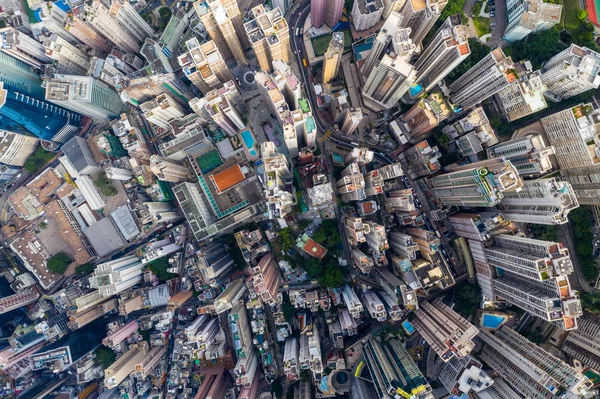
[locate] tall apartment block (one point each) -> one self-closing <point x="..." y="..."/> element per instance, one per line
<point x="356" y="229"/>
<point x="310" y="353"/>
<point x="104" y="21"/>
<point x="333" y="57"/>
<point x="389" y="80"/>
<point x="352" y="302"/>
<point x="15" y="148"/>
<point x="222" y="107"/>
<point x="23" y="48"/>
<point x="531" y="16"/>
<point x="291" y="363"/>
<point x="120" y="335"/>
<point x="19" y="299"/>
<point x="362" y="261"/>
<point x="420" y="16"/>
<point x="541" y="201"/>
<point x="448" y="48"/>
<point x="326" y="11"/>
<point x="88" y="36"/>
<point x="25" y="104"/>
<point x="359" y="155"/>
<point x="85" y="95"/>
<point x="123" y="366"/>
<point x="269" y="37"/>
<point x="366" y="14"/>
<point x="534" y="276"/>
<point x="420" y="160"/>
<point x="374" y="306"/>
<point x="478" y="184"/>
<point x="68" y="59"/>
<point x="571" y="72"/>
<point x="422" y="117"/>
<point x="351" y="185"/>
<point x="446" y="331"/>
<point x="390" y="30"/>
<point x="530" y="155"/>
<point x="393" y="371"/>
<point x="472" y="133"/>
<point x="167" y="170"/>
<point x="377" y="241"/>
<point x="351" y="121"/>
<point x="204" y="65"/>
<point x="464" y="375"/>
<point x="277" y="181"/>
<point x="475" y="226"/>
<point x="524" y="96"/>
<point x="118" y="173"/>
<point x="265" y="280"/>
<point x="572" y="133"/>
<point x="396" y="288"/>
<point x="486" y="78"/>
<point x="585" y="181"/>
<point x="583" y="344"/>
<point x="529" y="369"/>
<point x="223" y="21"/>
<point x="118" y="275"/>
<point x="403" y="245"/>
<point x="240" y="329"/>
<point x="162" y="110"/>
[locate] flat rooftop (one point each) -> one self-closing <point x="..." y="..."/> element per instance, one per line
<point x="227" y="178"/>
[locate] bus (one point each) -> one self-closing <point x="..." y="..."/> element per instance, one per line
<point x="304" y="62"/>
<point x="297" y="31"/>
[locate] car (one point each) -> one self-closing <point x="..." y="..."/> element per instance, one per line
<point x="493" y="24"/>
<point x="492" y="14"/>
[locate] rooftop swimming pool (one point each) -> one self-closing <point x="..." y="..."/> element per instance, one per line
<point x="249" y="142"/>
<point x="408" y="327"/>
<point x="492" y="321"/>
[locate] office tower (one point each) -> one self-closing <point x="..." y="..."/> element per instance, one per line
<point x="389" y="31"/>
<point x="420" y="160"/>
<point x="67" y="58"/>
<point x="191" y="202"/>
<point x="240" y="329"/>
<point x="524" y="96"/>
<point x="22" y="47"/>
<point x="356" y="229"/>
<point x="403" y="245"/>
<point x="170" y="171"/>
<point x="269" y="37"/>
<point x="15" y="148"/>
<point x="464" y="375"/>
<point x="534" y="276"/>
<point x="478" y="184"/>
<point x="528" y="154"/>
<point x="351" y="186"/>
<point x="162" y="110"/>
<point x="118" y="173"/>
<point x="85" y="95"/>
<point x="366" y="14"/>
<point x="123" y="366"/>
<point x="223" y="21"/>
<point x="583" y="344"/>
<point x="448" y="48"/>
<point x="114" y="338"/>
<point x="19" y="299"/>
<point x="486" y="78"/>
<point x="204" y="65"/>
<point x="117" y="275"/>
<point x="420" y="16"/>
<point x="326" y="11"/>
<point x="352" y="120"/>
<point x="446" y="331"/>
<point x="333" y="57"/>
<point x="79" y="157"/>
<point x="530" y="370"/>
<point x="530" y="16"/>
<point x="100" y="17"/>
<point x="393" y="371"/>
<point x="277" y="181"/>
<point x="541" y="201"/>
<point x="362" y="261"/>
<point x="88" y="36"/>
<point x="389" y="80"/>
<point x="25" y="108"/>
<point x="422" y="117"/>
<point x="265" y="279"/>
<point x="571" y="72"/>
<point x="572" y="133"/>
<point x="291" y="366"/>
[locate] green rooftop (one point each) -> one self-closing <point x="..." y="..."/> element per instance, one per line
<point x="209" y="161"/>
<point x="304" y="106"/>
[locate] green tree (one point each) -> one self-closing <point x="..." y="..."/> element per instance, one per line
<point x="453" y="7"/>
<point x="543" y="232"/>
<point x="582" y="15"/>
<point x="537" y="48"/>
<point x="467" y="298"/>
<point x="286" y="239"/>
<point x="84" y="269"/>
<point x="58" y="263"/>
<point x="104" y="185"/>
<point x="305" y="375"/>
<point x="159" y="269"/>
<point x="581" y="223"/>
<point x="38" y="159"/>
<point x="590" y="302"/>
<point x="289" y="311"/>
<point x="584" y="35"/>
<point x="104" y="356"/>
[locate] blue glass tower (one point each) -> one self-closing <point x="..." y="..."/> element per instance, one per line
<point x="23" y="107"/>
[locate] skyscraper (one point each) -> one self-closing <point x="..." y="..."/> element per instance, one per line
<point x="389" y="80"/>
<point x="204" y="65"/>
<point x="531" y="16"/>
<point x="352" y="120"/>
<point x="585" y="180"/>
<point x="22" y="47"/>
<point x="327" y="11"/>
<point x="168" y="170"/>
<point x="486" y="78"/>
<point x="162" y="110"/>
<point x="420" y="16"/>
<point x="524" y="96"/>
<point x="128" y="17"/>
<point x="366" y="13"/>
<point x="269" y="37"/>
<point x="15" y="148"/>
<point x="541" y="201"/>
<point x="86" y="95"/>
<point x="88" y="35"/>
<point x="117" y="275"/>
<point x="123" y="366"/>
<point x="571" y="72"/>
<point x="333" y="57"/>
<point x="68" y="59"/>
<point x="389" y="30"/>
<point x="528" y="368"/>
<point x="422" y="117"/>
<point x="478" y="184"/>
<point x="100" y="17"/>
<point x="583" y="344"/>
<point x="448" y="48"/>
<point x="191" y="201"/>
<point x="528" y="154"/>
<point x="277" y="181"/>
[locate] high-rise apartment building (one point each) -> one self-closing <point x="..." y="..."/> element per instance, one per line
<point x="356" y="229"/>
<point x="223" y="21"/>
<point x="486" y="78"/>
<point x="528" y="154"/>
<point x="222" y="107"/>
<point x="19" y="299"/>
<point x="118" y="173"/>
<point x="291" y="363"/>
<point x="389" y="80"/>
<point x="117" y="275"/>
<point x="541" y="201"/>
<point x="478" y="184"/>
<point x="68" y="59"/>
<point x="530" y="370"/>
<point x="125" y="365"/>
<point x="85" y="95"/>
<point x="354" y="305"/>
<point x="524" y="96"/>
<point x="88" y="35"/>
<point x="403" y="245"/>
<point x="446" y="331"/>
<point x="240" y="330"/>
<point x="422" y="117"/>
<point x="204" y="65"/>
<point x="351" y="186"/>
<point x="359" y="155"/>
<point x="168" y="170"/>
<point x="448" y="48"/>
<point x="269" y="37"/>
<point x="333" y="57"/>
<point x="104" y="21"/>
<point x="309" y="355"/>
<point x="128" y="17"/>
<point x="362" y="261"/>
<point x="390" y="30"/>
<point x="191" y="201"/>
<point x="366" y="14"/>
<point x="571" y="72"/>
<point x="475" y="226"/>
<point x="472" y="133"/>
<point x="420" y="16"/>
<point x="352" y="120"/>
<point x="583" y="344"/>
<point x="265" y="279"/>
<point x="530" y="16"/>
<point x="162" y="110"/>
<point x="420" y="160"/>
<point x="15" y="148"/>
<point x="23" y="48"/>
<point x="24" y="105"/>
<point x="114" y="338"/>
<point x="572" y="133"/>
<point x="533" y="275"/>
<point x="585" y="180"/>
<point x="326" y="11"/>
<point x="277" y="181"/>
<point x="377" y="241"/>
<point x="464" y="375"/>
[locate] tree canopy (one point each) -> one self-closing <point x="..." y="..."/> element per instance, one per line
<point x="58" y="263"/>
<point x="453" y="7"/>
<point x="327" y="271"/>
<point x="467" y="298"/>
<point x="84" y="269"/>
<point x="159" y="268"/>
<point x="286" y="239"/>
<point x="104" y="185"/>
<point x="104" y="356"/>
<point x="38" y="159"/>
<point x="580" y="219"/>
<point x="478" y="51"/>
<point x="328" y="234"/>
<point x="537" y="48"/>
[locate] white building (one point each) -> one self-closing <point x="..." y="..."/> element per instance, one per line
<point x="366" y="14"/>
<point x="118" y="275"/>
<point x="530" y="16"/>
<point x="90" y="193"/>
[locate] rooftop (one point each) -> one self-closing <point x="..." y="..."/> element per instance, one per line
<point x="227" y="178"/>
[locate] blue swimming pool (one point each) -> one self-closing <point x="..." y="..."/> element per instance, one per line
<point x="491" y="321"/>
<point x="249" y="142"/>
<point x="408" y="327"/>
<point x="414" y="90"/>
